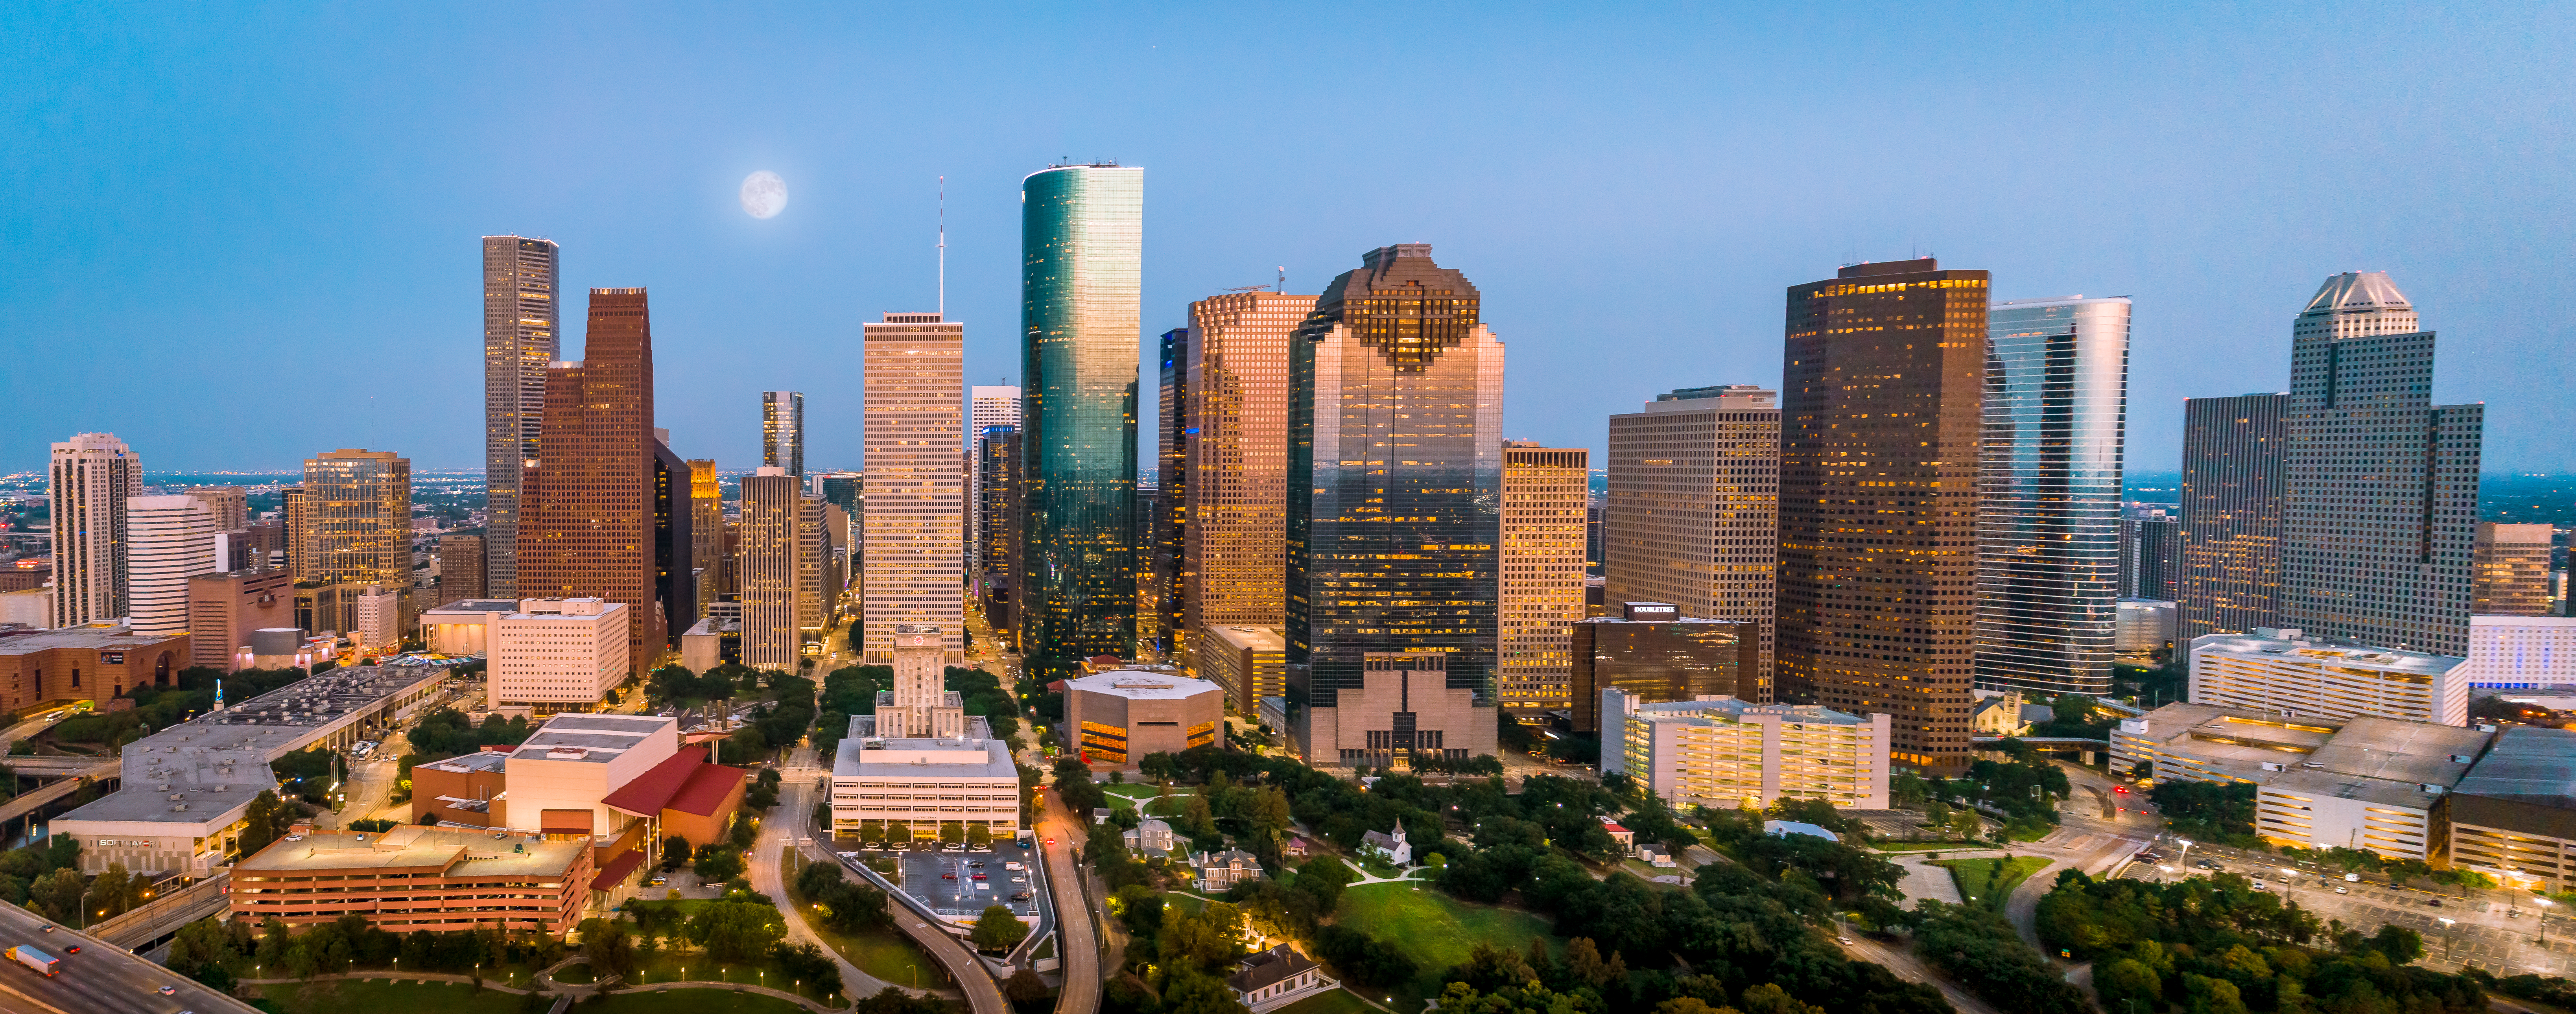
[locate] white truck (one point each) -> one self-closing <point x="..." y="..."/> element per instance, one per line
<point x="34" y="958"/>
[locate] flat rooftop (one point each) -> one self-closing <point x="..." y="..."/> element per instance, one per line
<point x="2320" y="651"/>
<point x="118" y="636"/>
<point x="454" y="853"/>
<point x="976" y="755"/>
<point x="1143" y="686"/>
<point x="2528" y="765"/>
<point x="595" y="739"/>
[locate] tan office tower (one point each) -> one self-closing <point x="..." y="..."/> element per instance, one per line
<point x="586" y="527"/>
<point x="231" y="505"/>
<point x="460" y="568"/>
<point x="1235" y="547"/>
<point x="1541" y="594"/>
<point x="92" y="475"/>
<point x="1881" y="411"/>
<point x="913" y="534"/>
<point x="920" y="706"/>
<point x="299" y="525"/>
<point x="2510" y="572"/>
<point x="765" y="568"/>
<point x="172" y="539"/>
<point x="1693" y="518"/>
<point x="359" y="504"/>
<point x="707" y="531"/>
<point x="521" y="318"/>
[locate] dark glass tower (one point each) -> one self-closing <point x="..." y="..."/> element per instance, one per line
<point x="1081" y="247"/>
<point x="1881" y="412"/>
<point x="1395" y="467"/>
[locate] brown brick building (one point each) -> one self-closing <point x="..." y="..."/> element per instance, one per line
<point x="586" y="517"/>
<point x="85" y="663"/>
<point x="224" y="608"/>
<point x="1881" y="409"/>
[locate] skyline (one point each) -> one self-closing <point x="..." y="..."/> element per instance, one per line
<point x="317" y="191"/>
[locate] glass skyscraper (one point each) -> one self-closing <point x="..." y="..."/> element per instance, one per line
<point x="1082" y="234"/>
<point x="1395" y="471"/>
<point x="2048" y="516"/>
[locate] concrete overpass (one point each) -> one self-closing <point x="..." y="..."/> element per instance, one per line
<point x="147" y="925"/>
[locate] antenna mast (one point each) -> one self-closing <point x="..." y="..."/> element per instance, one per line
<point x="943" y="248"/>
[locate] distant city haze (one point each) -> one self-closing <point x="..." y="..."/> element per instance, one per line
<point x="241" y="239"/>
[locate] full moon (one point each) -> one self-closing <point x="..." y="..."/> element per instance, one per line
<point x="764" y="195"/>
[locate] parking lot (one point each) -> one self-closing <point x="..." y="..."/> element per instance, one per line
<point x="946" y="880"/>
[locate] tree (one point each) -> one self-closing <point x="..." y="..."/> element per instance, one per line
<point x="263" y="823"/>
<point x="609" y="945"/>
<point x="997" y="930"/>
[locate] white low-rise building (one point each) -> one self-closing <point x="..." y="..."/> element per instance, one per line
<point x="1727" y="753"/>
<point x="922" y="784"/>
<point x="2522" y="652"/>
<point x="2281" y="670"/>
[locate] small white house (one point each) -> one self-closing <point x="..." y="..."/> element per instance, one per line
<point x="1392" y="847"/>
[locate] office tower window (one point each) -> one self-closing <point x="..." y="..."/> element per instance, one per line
<point x="1881" y="413"/>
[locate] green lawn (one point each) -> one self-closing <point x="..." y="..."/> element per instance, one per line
<point x="409" y="997"/>
<point x="1434" y="929"/>
<point x="1339" y="1001"/>
<point x="1981" y="883"/>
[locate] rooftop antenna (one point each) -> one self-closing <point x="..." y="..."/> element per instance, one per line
<point x="943" y="248"/>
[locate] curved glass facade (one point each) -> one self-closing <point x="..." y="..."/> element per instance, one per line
<point x="1082" y="234"/>
<point x="2048" y="518"/>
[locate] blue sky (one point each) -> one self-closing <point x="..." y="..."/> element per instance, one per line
<point x="237" y="237"/>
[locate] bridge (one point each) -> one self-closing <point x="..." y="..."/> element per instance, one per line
<point x="145" y="926"/>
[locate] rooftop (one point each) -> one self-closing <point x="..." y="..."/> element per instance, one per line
<point x="1135" y="685"/>
<point x="2527" y="765"/>
<point x="2292" y="647"/>
<point x="595" y="739"/>
<point x="453" y="853"/>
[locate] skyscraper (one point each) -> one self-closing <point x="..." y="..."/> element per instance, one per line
<point x="1540" y="588"/>
<point x="766" y="568"/>
<point x="2383" y="485"/>
<point x="1236" y="473"/>
<point x="914" y="529"/>
<point x="985" y="406"/>
<point x="359" y="503"/>
<point x="2233" y="453"/>
<point x="2512" y="576"/>
<point x="92" y="475"/>
<point x="707" y="531"/>
<point x="522" y="314"/>
<point x="460" y="568"/>
<point x="999" y="510"/>
<point x="1395" y="467"/>
<point x="1081" y="249"/>
<point x="173" y="539"/>
<point x="1693" y="517"/>
<point x="675" y="583"/>
<point x="1880" y="416"/>
<point x="782" y="431"/>
<point x="1168" y="588"/>
<point x="2048" y="512"/>
<point x="586" y="527"/>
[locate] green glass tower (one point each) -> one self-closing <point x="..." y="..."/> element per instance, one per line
<point x="1082" y="239"/>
